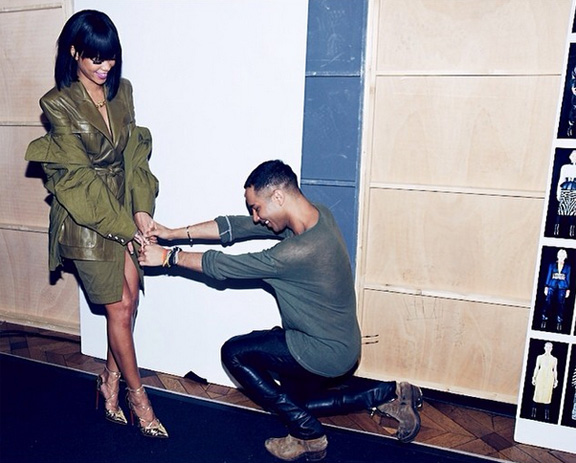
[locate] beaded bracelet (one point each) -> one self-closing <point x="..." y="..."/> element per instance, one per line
<point x="173" y="257"/>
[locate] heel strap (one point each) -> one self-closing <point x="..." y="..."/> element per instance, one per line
<point x="138" y="390"/>
<point x="143" y="408"/>
<point x="114" y="374"/>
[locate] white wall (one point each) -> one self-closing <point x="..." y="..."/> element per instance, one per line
<point x="220" y="84"/>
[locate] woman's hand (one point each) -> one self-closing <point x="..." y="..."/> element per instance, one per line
<point x="139" y="239"/>
<point x="145" y="224"/>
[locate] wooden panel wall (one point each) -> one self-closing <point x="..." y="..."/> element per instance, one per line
<point x="441" y="343"/>
<point x="28" y="293"/>
<point x="460" y="117"/>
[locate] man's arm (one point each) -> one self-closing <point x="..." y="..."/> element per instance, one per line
<point x="153" y="255"/>
<point x="204" y="230"/>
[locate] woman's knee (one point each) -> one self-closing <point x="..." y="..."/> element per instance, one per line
<point x="123" y="311"/>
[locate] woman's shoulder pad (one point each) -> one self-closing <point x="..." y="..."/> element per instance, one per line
<point x="51" y="94"/>
<point x="125" y="83"/>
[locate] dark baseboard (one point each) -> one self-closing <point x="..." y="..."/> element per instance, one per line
<point x="491" y="406"/>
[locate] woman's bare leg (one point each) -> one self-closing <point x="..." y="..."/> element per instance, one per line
<point x="120" y="317"/>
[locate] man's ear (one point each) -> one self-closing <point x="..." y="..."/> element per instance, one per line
<point x="279" y="196"/>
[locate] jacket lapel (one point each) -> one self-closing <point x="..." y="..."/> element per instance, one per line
<point x="115" y="117"/>
<point x="89" y="110"/>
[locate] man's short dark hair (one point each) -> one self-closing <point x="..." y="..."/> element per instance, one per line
<point x="272" y="174"/>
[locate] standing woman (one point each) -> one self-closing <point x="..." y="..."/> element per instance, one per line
<point x="96" y="163"/>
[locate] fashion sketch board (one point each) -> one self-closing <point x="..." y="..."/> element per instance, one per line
<point x="546" y="413"/>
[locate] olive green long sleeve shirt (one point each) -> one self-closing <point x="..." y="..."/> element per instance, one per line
<point x="314" y="287"/>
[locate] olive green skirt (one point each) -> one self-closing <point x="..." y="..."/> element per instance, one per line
<point x="102" y="282"/>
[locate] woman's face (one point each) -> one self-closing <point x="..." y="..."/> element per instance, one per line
<point x="92" y="71"/>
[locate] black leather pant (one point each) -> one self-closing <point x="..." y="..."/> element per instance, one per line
<point x="270" y="376"/>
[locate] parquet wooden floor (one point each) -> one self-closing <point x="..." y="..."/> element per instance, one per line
<point x="444" y="425"/>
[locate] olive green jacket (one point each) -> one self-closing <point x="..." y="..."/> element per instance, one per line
<point x="87" y="221"/>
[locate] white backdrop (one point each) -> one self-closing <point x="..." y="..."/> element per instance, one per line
<point x="220" y="84"/>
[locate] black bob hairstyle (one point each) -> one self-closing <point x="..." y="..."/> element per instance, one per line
<point x="93" y="35"/>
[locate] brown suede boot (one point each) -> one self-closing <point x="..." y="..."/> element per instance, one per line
<point x="404" y="409"/>
<point x="290" y="448"/>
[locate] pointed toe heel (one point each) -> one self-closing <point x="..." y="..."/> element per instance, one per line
<point x="112" y="411"/>
<point x="149" y="428"/>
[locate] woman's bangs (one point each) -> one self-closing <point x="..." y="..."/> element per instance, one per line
<point x="103" y="47"/>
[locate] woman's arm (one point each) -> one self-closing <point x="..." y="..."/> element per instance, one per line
<point x="152" y="255"/>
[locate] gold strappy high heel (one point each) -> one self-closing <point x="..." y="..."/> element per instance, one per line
<point x="117" y="415"/>
<point x="151" y="428"/>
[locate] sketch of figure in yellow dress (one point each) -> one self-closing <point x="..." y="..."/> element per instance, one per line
<point x="544" y="380"/>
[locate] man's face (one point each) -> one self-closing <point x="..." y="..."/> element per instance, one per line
<point x="266" y="208"/>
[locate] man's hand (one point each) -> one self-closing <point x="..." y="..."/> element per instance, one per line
<point x="151" y="255"/>
<point x="158" y="231"/>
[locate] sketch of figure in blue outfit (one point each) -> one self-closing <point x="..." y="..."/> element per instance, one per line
<point x="556" y="290"/>
<point x="566" y="196"/>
